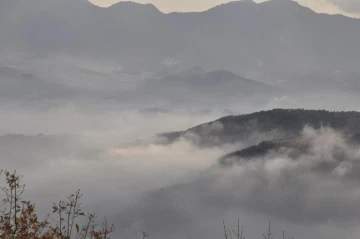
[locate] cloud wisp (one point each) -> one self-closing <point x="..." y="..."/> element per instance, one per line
<point x="316" y="189"/>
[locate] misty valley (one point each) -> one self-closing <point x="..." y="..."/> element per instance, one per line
<point x="240" y="121"/>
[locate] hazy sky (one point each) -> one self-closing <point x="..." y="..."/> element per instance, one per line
<point x="348" y="7"/>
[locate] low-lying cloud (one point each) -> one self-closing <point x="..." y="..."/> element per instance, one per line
<point x="178" y="189"/>
<point x="316" y="190"/>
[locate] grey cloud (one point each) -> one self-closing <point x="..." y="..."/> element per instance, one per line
<point x="79" y="110"/>
<point x="315" y="188"/>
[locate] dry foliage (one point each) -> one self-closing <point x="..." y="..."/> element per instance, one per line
<point x="18" y="219"/>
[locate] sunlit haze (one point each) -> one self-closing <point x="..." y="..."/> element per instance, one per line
<point x="346" y="7"/>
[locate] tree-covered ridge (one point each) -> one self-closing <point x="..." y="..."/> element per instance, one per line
<point x="298" y="147"/>
<point x="269" y="125"/>
<point x="296" y="119"/>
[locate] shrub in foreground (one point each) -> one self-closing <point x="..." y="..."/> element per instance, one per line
<point x="18" y="218"/>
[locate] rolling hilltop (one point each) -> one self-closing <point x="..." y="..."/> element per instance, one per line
<point x="268" y="125"/>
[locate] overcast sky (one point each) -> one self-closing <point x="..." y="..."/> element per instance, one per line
<point x="348" y="7"/>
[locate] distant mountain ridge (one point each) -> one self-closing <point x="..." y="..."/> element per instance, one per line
<point x="219" y="87"/>
<point x="197" y="76"/>
<point x="268" y="41"/>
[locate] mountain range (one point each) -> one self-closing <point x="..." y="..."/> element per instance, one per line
<point x="271" y="41"/>
<point x="199" y="87"/>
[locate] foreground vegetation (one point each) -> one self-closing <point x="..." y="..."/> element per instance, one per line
<point x="239" y="232"/>
<point x="18" y="218"/>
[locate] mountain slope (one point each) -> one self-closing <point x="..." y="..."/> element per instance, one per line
<point x="268" y="125"/>
<point x="297" y="146"/>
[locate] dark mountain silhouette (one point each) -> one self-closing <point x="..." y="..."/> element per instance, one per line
<point x="263" y="149"/>
<point x="268" y="125"/>
<point x="298" y="146"/>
